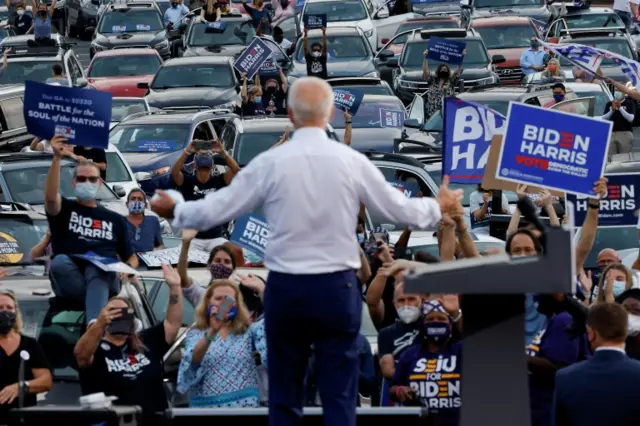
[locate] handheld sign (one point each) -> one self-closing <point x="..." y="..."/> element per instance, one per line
<point x="408" y="189"/>
<point x="252" y="58"/>
<point x="618" y="208"/>
<point x="107" y="264"/>
<point x="445" y="50"/>
<point x="391" y="118"/>
<point x="215" y="27"/>
<point x="553" y="149"/>
<point x="315" y="21"/>
<point x="171" y="256"/>
<point x="82" y="116"/>
<point x="347" y="99"/>
<point x="467" y="132"/>
<point x="251" y="232"/>
<point x="269" y="67"/>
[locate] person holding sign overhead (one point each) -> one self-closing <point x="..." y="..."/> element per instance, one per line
<point x="80" y="226"/>
<point x="42" y="25"/>
<point x="316" y="58"/>
<point x="251" y="102"/>
<point x="440" y="84"/>
<point x="260" y="17"/>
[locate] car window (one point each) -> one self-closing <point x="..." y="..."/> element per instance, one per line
<point x="343" y="11"/>
<point x="125" y="65"/>
<point x="616" y="238"/>
<point x="614" y="45"/>
<point x="593" y="20"/>
<point x="117" y="171"/>
<point x="434" y="123"/>
<point x="423" y="25"/>
<point x="19" y="72"/>
<point x="12" y="109"/>
<point x="197" y="75"/>
<point x="575" y="106"/>
<point x="228" y="137"/>
<point x="368" y="115"/>
<point x="249" y="145"/>
<point x="130" y="20"/>
<point x="338" y="47"/>
<point x="17" y="236"/>
<point x="507" y="3"/>
<point x="289" y="28"/>
<point x="506" y="36"/>
<point x="155" y="137"/>
<point x="235" y="32"/>
<point x="601" y="100"/>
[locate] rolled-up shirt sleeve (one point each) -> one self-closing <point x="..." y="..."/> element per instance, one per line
<point x="383" y="199"/>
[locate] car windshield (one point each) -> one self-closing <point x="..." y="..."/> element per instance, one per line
<point x="507" y="3"/>
<point x="368" y="115"/>
<point x="506" y="36"/>
<point x="235" y="32"/>
<point x="619" y="46"/>
<point x="424" y="25"/>
<point x="130" y="20"/>
<point x="367" y="89"/>
<point x="19" y="72"/>
<point x="339" y="47"/>
<point x="337" y="11"/>
<point x="27" y="185"/>
<point x="593" y="20"/>
<point x="249" y="145"/>
<point x="197" y="75"/>
<point x="121" y="108"/>
<point x="117" y="171"/>
<point x="616" y="238"/>
<point x="467" y="189"/>
<point x="125" y="65"/>
<point x="17" y="236"/>
<point x="434" y="123"/>
<point x="413" y="55"/>
<point x="156" y="137"/>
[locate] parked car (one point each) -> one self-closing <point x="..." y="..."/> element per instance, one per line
<point x="119" y="71"/>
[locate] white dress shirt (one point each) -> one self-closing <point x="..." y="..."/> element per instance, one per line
<point x="311" y="188"/>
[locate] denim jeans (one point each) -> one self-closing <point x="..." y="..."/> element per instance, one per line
<point x="86" y="281"/>
<point x="625" y="17"/>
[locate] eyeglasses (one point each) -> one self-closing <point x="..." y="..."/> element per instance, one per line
<point x="92" y="179"/>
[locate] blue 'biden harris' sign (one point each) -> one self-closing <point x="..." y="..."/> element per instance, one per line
<point x="81" y="115"/>
<point x="252" y="58"/>
<point x="251" y="232"/>
<point x="347" y="99"/>
<point x="553" y="149"/>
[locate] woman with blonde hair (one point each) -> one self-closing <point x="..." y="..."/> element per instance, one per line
<point x="615" y="280"/>
<point x="553" y="72"/>
<point x="14" y="346"/>
<point x="223" y="344"/>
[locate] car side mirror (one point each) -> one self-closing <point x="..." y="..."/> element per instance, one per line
<point x="412" y="123"/>
<point x="392" y="62"/>
<point x="142" y="176"/>
<point x="381" y="14"/>
<point x="82" y="82"/>
<point x="143" y="85"/>
<point x="498" y="59"/>
<point x="119" y="190"/>
<point x="386" y="54"/>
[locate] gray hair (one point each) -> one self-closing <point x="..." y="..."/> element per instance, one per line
<point x="310" y="99"/>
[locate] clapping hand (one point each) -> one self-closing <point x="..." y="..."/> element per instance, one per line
<point x="448" y="198"/>
<point x="171" y="275"/>
<point x="546" y="198"/>
<point x="521" y="190"/>
<point x="600" y="187"/>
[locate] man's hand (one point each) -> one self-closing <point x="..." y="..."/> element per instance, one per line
<point x="9" y="394"/>
<point x="446" y="197"/>
<point x="163" y="204"/>
<point x="218" y="148"/>
<point x="191" y="148"/>
<point x="57" y="144"/>
<point x="521" y="190"/>
<point x="600" y="187"/>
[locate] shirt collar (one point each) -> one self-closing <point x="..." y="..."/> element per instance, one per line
<point x="309" y="133"/>
<point x="610" y="348"/>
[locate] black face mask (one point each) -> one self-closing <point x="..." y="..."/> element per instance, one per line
<point x="443" y="74"/>
<point x="174" y="5"/>
<point x="42" y="13"/>
<point x="7" y="321"/>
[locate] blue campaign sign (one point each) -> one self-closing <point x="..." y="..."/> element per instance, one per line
<point x="269" y="67"/>
<point x="107" y="264"/>
<point x="143" y="27"/>
<point x="467" y="132"/>
<point x="155" y="145"/>
<point x="82" y="116"/>
<point x="553" y="149"/>
<point x="347" y="99"/>
<point x="619" y="206"/>
<point x="251" y="232"/>
<point x="252" y="58"/>
<point x="408" y="189"/>
<point x="215" y="27"/>
<point x="445" y="50"/>
<point x="299" y="4"/>
<point x="118" y="28"/>
<point x="315" y="21"/>
<point x="391" y="118"/>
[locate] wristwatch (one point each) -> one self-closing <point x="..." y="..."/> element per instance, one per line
<point x="25" y="387"/>
<point x="457" y="317"/>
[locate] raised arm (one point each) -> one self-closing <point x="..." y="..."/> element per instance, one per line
<point x="425" y="66"/>
<point x="305" y="41"/>
<point x="347" y="127"/>
<point x="88" y="342"/>
<point x="173" y="317"/>
<point x="52" y="198"/>
<point x="325" y="51"/>
<point x="176" y="170"/>
<point x="52" y="8"/>
<point x="243" y="90"/>
<point x="590" y="225"/>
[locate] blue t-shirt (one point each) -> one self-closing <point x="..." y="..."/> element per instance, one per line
<point x="42" y="29"/>
<point x="436" y="378"/>
<point x="147" y="236"/>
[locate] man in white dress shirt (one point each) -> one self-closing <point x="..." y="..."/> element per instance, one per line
<point x="311" y="188"/>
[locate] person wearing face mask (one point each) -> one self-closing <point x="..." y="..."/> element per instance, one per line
<point x="605" y="258"/>
<point x="274" y="100"/>
<point x="117" y="357"/>
<point x="80" y="226"/>
<point x="559" y="93"/>
<point x="145" y="231"/>
<point x="532" y="59"/>
<point x="283" y="9"/>
<point x="553" y="72"/>
<point x="251" y="100"/>
<point x="316" y="57"/>
<point x="609" y="374"/>
<point x="621" y="111"/>
<point x="222" y="343"/>
<point x="440" y="84"/>
<point x="260" y="16"/>
<point x="175" y="13"/>
<point x="278" y="36"/>
<point x="37" y="371"/>
<point x="440" y="360"/>
<point x="630" y="301"/>
<point x="615" y="280"/>
<point x="41" y="26"/>
<point x="22" y="22"/>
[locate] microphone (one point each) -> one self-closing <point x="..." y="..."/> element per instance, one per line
<point x="24" y="356"/>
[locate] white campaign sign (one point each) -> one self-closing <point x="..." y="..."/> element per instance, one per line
<point x="171" y="256"/>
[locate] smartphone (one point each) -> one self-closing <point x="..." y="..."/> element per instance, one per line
<point x="203" y="145"/>
<point x="225" y="307"/>
<point x="370" y="245"/>
<point x="382" y="237"/>
<point x="122" y="324"/>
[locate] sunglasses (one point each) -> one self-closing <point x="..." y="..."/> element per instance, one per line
<point x="92" y="179"/>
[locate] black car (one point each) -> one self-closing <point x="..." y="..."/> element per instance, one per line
<point x="349" y="53"/>
<point x="245" y="138"/>
<point x="202" y="40"/>
<point x="478" y="68"/>
<point x="132" y="24"/>
<point x="81" y="17"/>
<point x="208" y="81"/>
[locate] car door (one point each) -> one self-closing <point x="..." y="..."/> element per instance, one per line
<point x="290" y="28"/>
<point x="278" y="54"/>
<point x="415" y="116"/>
<point x="582" y="106"/>
<point x="385" y="25"/>
<point x="394" y="46"/>
<point x="14" y="130"/>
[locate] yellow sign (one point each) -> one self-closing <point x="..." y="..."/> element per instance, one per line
<point x="9" y="249"/>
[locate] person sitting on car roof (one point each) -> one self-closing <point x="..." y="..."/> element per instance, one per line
<point x="260" y="17"/>
<point x="440" y="84"/>
<point x="41" y="27"/>
<point x="22" y="21"/>
<point x="283" y="9"/>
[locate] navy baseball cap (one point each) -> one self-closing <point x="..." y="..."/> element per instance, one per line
<point x="204" y="162"/>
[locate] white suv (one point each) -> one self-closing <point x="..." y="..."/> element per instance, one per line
<point x="344" y="13"/>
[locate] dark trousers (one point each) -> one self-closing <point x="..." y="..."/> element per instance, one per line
<point x="324" y="310"/>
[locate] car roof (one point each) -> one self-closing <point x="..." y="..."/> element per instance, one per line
<point x="198" y="60"/>
<point x="266" y="124"/>
<point x="590" y="11"/>
<point x="455" y="33"/>
<point x="24" y="38"/>
<point x="230" y="18"/>
<point x="334" y="31"/>
<point x="28" y="287"/>
<point x="499" y="21"/>
<point x="126" y="52"/>
<point x="435" y="18"/>
<point x="624" y="163"/>
<point x="18" y="160"/>
<point x="498" y="95"/>
<point x="583" y="87"/>
<point x="10" y="89"/>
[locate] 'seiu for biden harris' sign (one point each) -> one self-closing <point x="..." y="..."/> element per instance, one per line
<point x="80" y="115"/>
<point x="553" y="149"/>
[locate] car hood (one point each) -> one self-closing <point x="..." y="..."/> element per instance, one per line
<point x="191" y="96"/>
<point x="378" y="138"/>
<point x="512" y="56"/>
<point x="145" y="161"/>
<point x="338" y="68"/>
<point x="444" y="7"/>
<point x="121" y="86"/>
<point x="131" y="39"/>
<point x="467" y="74"/>
<point x="231" y="50"/>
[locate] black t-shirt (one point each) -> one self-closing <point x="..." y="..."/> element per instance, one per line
<point x="135" y="378"/>
<point x="317" y="67"/>
<point x="397" y="337"/>
<point x="9" y="370"/>
<point x="192" y="189"/>
<point x="620" y="124"/>
<point x="274" y="104"/>
<point x="96" y="155"/>
<point x="78" y="229"/>
<point x="251" y="108"/>
<point x="22" y="24"/>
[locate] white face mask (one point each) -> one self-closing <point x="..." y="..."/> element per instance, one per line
<point x="634" y="325"/>
<point x="20" y="12"/>
<point x="408" y="314"/>
<point x="316" y="54"/>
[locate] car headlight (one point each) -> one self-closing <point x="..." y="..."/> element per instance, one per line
<point x="163" y="45"/>
<point x="408" y="84"/>
<point x="488" y="80"/>
<point x="372" y="74"/>
<point x="369" y="33"/>
<point x="95" y="46"/>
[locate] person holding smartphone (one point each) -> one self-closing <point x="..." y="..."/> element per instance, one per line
<point x="204" y="181"/>
<point x="222" y="343"/>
